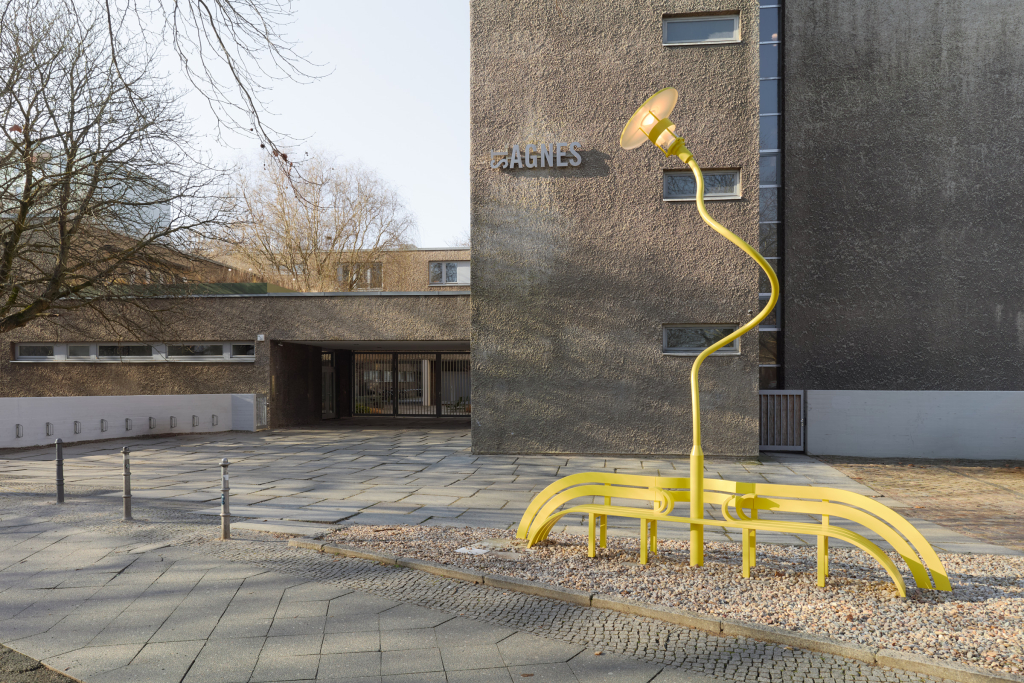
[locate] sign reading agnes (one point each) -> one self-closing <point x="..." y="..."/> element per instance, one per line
<point x="555" y="155"/>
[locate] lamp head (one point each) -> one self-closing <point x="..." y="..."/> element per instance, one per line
<point x="651" y="122"/>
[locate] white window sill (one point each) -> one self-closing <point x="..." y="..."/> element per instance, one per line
<point x="108" y="361"/>
<point x="694" y="354"/>
<point x="731" y="41"/>
<point x="712" y="198"/>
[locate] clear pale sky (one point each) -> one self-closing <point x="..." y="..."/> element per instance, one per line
<point x="397" y="100"/>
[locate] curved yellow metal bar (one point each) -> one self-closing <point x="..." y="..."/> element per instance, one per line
<point x="664" y="492"/>
<point x="697" y="454"/>
<point x="886" y="514"/>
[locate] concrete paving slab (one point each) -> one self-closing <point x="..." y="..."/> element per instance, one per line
<point x="155" y="663"/>
<point x="410" y="617"/>
<point x="225" y="661"/>
<point x="270" y="669"/>
<point x="497" y="675"/>
<point x="471" y="657"/>
<point x="349" y="665"/>
<point x="425" y="660"/>
<point x="407" y="639"/>
<point x="610" y="667"/>
<point x="358" y="641"/>
<point x="86" y="662"/>
<point x="544" y="673"/>
<point x="523" y="648"/>
<point x="292" y="646"/>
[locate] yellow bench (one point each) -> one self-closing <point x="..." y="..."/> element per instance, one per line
<point x="741" y="504"/>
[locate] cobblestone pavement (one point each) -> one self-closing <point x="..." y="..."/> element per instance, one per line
<point x="980" y="499"/>
<point x="385" y="475"/>
<point x="158" y="600"/>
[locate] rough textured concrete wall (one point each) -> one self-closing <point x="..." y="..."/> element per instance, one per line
<point x="407" y="271"/>
<point x="575" y="270"/>
<point x="295" y="389"/>
<point x="904" y="195"/>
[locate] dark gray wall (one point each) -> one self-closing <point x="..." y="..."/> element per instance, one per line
<point x="575" y="270"/>
<point x="904" y="195"/>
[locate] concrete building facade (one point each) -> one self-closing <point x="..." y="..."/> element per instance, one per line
<point x="577" y="269"/>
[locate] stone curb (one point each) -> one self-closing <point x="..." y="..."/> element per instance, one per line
<point x="543" y="590"/>
<point x="961" y="673"/>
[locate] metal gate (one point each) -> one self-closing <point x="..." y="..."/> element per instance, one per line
<point x="782" y="420"/>
<point x="401" y="384"/>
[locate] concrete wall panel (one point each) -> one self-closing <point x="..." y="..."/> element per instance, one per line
<point x="63" y="411"/>
<point x="973" y="425"/>
<point x="904" y="195"/>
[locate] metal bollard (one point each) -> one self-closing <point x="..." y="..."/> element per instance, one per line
<point x="127" y="485"/>
<point x="60" y="471"/>
<point x="225" y="502"/>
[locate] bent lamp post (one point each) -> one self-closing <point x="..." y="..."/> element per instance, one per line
<point x="742" y="503"/>
<point x="651" y="122"/>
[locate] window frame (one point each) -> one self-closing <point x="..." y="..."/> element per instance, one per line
<point x="733" y="349"/>
<point x="444" y="272"/>
<point x="668" y="172"/>
<point x="159" y="353"/>
<point x="737" y="28"/>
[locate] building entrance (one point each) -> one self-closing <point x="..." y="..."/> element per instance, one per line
<point x="424" y="384"/>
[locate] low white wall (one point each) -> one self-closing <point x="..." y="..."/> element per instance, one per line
<point x="975" y="425"/>
<point x="233" y="411"/>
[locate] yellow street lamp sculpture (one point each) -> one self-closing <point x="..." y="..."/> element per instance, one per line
<point x="741" y="502"/>
<point x="651" y="122"/>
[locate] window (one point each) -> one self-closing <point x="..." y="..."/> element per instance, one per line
<point x="449" y="272"/>
<point x="691" y="340"/>
<point x="700" y="30"/>
<point x="681" y="186"/>
<point x="79" y="351"/>
<point x="125" y="351"/>
<point x="362" y="276"/>
<point x="35" y="351"/>
<point x="774" y="320"/>
<point x="113" y="352"/>
<point x="187" y="350"/>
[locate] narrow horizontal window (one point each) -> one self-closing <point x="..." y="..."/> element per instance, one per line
<point x="79" y="351"/>
<point x="34" y="351"/>
<point x="125" y="351"/>
<point x="187" y="350"/>
<point x="243" y="350"/>
<point x="700" y="30"/>
<point x="682" y="186"/>
<point x="691" y="340"/>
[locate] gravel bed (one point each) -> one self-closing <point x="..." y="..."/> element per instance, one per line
<point x="981" y="622"/>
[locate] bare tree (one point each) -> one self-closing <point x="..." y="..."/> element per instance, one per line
<point x="324" y="230"/>
<point x="100" y="188"/>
